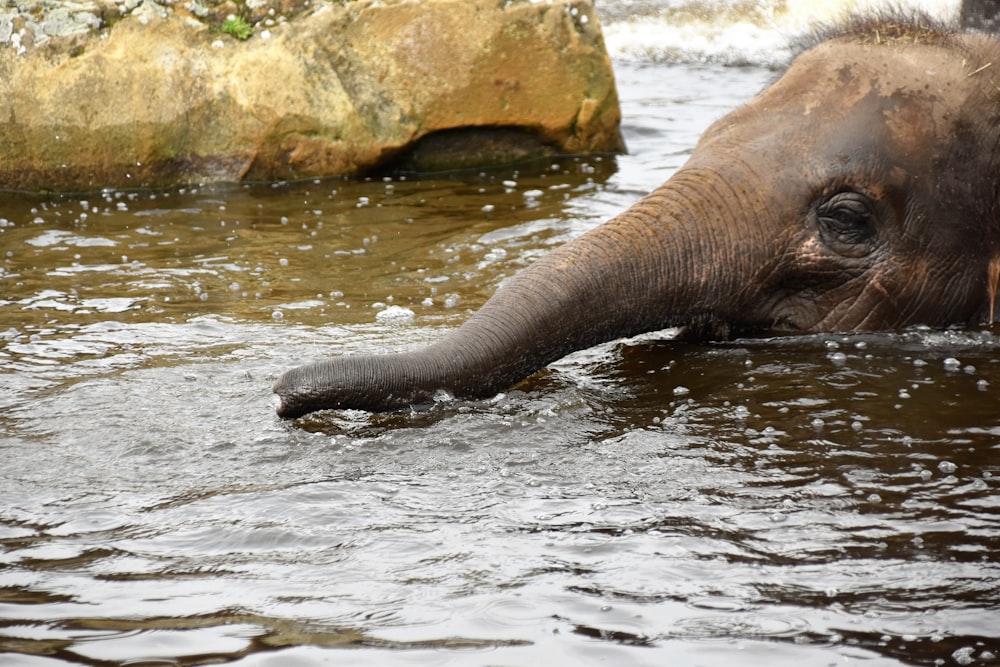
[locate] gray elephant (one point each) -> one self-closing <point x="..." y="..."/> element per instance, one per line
<point x="860" y="191"/>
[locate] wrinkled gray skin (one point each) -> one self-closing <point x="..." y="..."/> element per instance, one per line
<point x="858" y="192"/>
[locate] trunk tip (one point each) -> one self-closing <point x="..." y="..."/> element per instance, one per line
<point x="289" y="403"/>
<point x="286" y="409"/>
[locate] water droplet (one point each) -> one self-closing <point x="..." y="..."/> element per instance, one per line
<point x="947" y="467"/>
<point x="277" y="315"/>
<point x="680" y="390"/>
<point x="952" y="364"/>
<point x="963" y="656"/>
<point x="443" y="396"/>
<point x="395" y="314"/>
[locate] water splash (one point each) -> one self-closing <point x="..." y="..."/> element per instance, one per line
<point x="731" y="32"/>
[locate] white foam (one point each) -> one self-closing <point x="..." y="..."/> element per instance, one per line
<point x="731" y="32"/>
<point x="395" y="315"/>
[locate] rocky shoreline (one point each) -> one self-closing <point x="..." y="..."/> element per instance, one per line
<point x="130" y="93"/>
<point x="25" y="24"/>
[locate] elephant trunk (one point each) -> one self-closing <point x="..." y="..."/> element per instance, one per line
<point x="647" y="269"/>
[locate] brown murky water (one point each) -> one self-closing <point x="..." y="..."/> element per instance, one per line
<point x="816" y="500"/>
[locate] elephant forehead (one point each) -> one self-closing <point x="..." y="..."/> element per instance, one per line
<point x="917" y="91"/>
<point x="855" y="101"/>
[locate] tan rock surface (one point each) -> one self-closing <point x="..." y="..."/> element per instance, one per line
<point x="343" y="88"/>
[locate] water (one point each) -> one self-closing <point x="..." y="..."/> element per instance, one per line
<point x="804" y="500"/>
<point x="732" y="32"/>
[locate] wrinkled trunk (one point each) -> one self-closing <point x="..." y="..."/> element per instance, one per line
<point x="652" y="267"/>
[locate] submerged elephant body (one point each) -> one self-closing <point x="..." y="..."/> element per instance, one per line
<point x="857" y="192"/>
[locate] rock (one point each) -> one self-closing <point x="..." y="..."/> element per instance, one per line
<point x="158" y="97"/>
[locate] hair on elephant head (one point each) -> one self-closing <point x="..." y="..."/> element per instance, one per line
<point x="859" y="191"/>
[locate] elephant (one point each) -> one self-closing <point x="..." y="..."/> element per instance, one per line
<point x="859" y="191"/>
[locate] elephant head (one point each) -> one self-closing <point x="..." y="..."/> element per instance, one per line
<point x="857" y="192"/>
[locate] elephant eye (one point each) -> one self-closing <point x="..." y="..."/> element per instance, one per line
<point x="847" y="223"/>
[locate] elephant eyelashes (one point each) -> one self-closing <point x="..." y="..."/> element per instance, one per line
<point x="847" y="223"/>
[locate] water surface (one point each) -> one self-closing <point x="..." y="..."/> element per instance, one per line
<point x="807" y="500"/>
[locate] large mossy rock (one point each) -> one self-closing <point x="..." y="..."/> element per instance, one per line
<point x="343" y="88"/>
